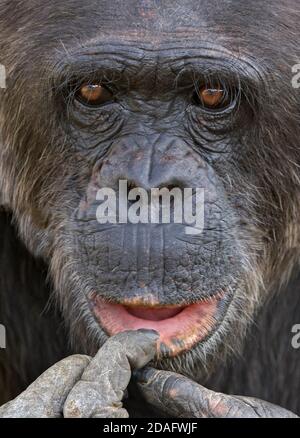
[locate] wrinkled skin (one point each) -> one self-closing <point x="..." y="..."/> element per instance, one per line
<point x="56" y="152"/>
<point x="180" y="397"/>
<point x="80" y="386"/>
<point x="85" y="387"/>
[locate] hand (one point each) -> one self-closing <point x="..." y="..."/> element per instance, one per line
<point x="180" y="397"/>
<point x="80" y="386"/>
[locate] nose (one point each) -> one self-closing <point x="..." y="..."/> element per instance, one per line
<point x="154" y="161"/>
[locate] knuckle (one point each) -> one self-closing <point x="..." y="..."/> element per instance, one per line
<point x="72" y="410"/>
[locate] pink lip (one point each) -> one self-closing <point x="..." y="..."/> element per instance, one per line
<point x="179" y="327"/>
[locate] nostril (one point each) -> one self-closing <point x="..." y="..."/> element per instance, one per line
<point x="130" y="186"/>
<point x="171" y="186"/>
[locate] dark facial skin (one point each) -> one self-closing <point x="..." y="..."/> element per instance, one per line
<point x="153" y="131"/>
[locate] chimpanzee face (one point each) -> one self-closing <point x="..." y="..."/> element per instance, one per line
<point x="183" y="99"/>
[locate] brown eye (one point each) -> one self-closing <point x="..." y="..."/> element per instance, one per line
<point x="94" y="94"/>
<point x="212" y="96"/>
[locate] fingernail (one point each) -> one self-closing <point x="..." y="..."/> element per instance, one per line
<point x="152" y="334"/>
<point x="142" y="375"/>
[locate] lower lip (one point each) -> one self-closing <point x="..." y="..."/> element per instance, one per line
<point x="180" y="328"/>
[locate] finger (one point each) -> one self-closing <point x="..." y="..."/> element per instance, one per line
<point x="179" y="396"/>
<point x="100" y="391"/>
<point x="170" y="393"/>
<point x="45" y="397"/>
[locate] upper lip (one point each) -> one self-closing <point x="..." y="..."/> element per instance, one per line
<point x="150" y="302"/>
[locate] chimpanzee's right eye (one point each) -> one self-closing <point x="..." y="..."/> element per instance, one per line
<point x="94" y="94"/>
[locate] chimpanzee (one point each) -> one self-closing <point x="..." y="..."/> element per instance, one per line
<point x="170" y="95"/>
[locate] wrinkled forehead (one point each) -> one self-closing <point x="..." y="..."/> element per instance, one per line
<point x="95" y="34"/>
<point x="143" y="20"/>
<point x="164" y="29"/>
<point x="160" y="21"/>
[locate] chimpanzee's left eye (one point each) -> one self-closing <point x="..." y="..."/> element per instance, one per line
<point x="94" y="94"/>
<point x="212" y="96"/>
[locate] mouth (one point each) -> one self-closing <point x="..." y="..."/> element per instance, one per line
<point x="180" y="327"/>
